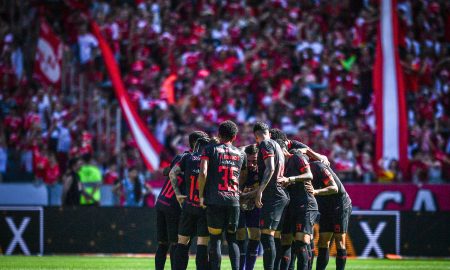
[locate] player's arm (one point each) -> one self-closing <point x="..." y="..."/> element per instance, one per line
<point x="316" y="156"/>
<point x="243" y="175"/>
<point x="173" y="176"/>
<point x="202" y="180"/>
<point x="269" y="162"/>
<point x="306" y="176"/>
<point x="330" y="185"/>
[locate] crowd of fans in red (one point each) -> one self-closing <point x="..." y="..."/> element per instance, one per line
<point x="302" y="66"/>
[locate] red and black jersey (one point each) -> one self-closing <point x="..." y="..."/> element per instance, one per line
<point x="190" y="166"/>
<point x="293" y="144"/>
<point x="322" y="175"/>
<point x="225" y="162"/>
<point x="167" y="200"/>
<point x="269" y="148"/>
<point x="297" y="164"/>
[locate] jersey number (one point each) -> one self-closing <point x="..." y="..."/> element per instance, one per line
<point x="193" y="191"/>
<point x="228" y="174"/>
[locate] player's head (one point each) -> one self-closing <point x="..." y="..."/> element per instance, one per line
<point x="228" y="131"/>
<point x="200" y="144"/>
<point x="283" y="147"/>
<point x="276" y="134"/>
<point x="261" y="131"/>
<point x="252" y="155"/>
<point x="194" y="136"/>
<point x="214" y="140"/>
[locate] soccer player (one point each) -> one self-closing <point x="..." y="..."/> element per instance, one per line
<point x="168" y="212"/>
<point x="335" y="208"/>
<point x="220" y="172"/>
<point x="193" y="216"/>
<point x="271" y="196"/>
<point x="302" y="211"/>
<point x="249" y="215"/>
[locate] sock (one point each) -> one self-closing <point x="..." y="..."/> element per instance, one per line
<point x="181" y="257"/>
<point x="285" y="257"/>
<point x="308" y="250"/>
<point x="243" y="251"/>
<point x="277" y="263"/>
<point x="293" y="257"/>
<point x="341" y="259"/>
<point x="322" y="258"/>
<point x="215" y="254"/>
<point x="173" y="247"/>
<point x="201" y="258"/>
<point x="268" y="243"/>
<point x="160" y="256"/>
<point x="302" y="255"/>
<point x="233" y="250"/>
<point x="252" y="254"/>
<point x="313" y="254"/>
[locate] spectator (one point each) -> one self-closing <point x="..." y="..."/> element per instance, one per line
<point x="132" y="189"/>
<point x="90" y="180"/>
<point x="3" y="159"/>
<point x="52" y="171"/>
<point x="71" y="193"/>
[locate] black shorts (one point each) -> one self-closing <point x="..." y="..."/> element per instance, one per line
<point x="193" y="224"/>
<point x="271" y="213"/>
<point x="167" y="226"/>
<point x="249" y="218"/>
<point x="335" y="221"/>
<point x="223" y="217"/>
<point x="302" y="221"/>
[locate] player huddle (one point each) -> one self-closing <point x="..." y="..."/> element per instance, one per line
<point x="270" y="192"/>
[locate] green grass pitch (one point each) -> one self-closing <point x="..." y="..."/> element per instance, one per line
<point x="123" y="263"/>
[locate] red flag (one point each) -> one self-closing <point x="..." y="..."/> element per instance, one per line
<point x="389" y="90"/>
<point x="49" y="51"/>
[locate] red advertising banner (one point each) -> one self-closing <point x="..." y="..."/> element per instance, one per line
<point x="49" y="50"/>
<point x="403" y="197"/>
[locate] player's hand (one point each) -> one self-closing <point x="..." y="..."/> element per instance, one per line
<point x="284" y="181"/>
<point x="181" y="198"/>
<point x="258" y="198"/>
<point x="202" y="203"/>
<point x="309" y="187"/>
<point x="325" y="160"/>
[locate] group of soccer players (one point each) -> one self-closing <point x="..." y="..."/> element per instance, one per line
<point x="271" y="192"/>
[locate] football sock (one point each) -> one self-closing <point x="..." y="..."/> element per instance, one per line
<point x="268" y="244"/>
<point x="201" y="258"/>
<point x="173" y="247"/>
<point x="243" y="251"/>
<point x="252" y="254"/>
<point x="293" y="257"/>
<point x="322" y="258"/>
<point x="233" y="250"/>
<point x="181" y="257"/>
<point x="302" y="255"/>
<point x="312" y="254"/>
<point x="215" y="254"/>
<point x="341" y="259"/>
<point x="276" y="265"/>
<point x="160" y="256"/>
<point x="286" y="257"/>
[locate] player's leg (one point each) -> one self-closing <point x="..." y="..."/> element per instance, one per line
<point x="324" y="253"/>
<point x="286" y="240"/>
<point x="241" y="237"/>
<point x="163" y="240"/>
<point x="304" y="221"/>
<point x="215" y="219"/>
<point x="172" y="220"/>
<point x="314" y="218"/>
<point x="186" y="229"/>
<point x="233" y="248"/>
<point x="254" y="236"/>
<point x="311" y="250"/>
<point x="201" y="258"/>
<point x="341" y="228"/>
<point x="277" y="239"/>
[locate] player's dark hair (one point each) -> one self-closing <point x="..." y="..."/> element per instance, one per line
<point x="260" y="128"/>
<point x="282" y="143"/>
<point x="251" y="149"/>
<point x="214" y="140"/>
<point x="201" y="143"/>
<point x="194" y="136"/>
<point x="276" y="134"/>
<point x="228" y="130"/>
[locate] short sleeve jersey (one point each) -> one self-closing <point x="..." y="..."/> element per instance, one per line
<point x="293" y="144"/>
<point x="269" y="148"/>
<point x="322" y="175"/>
<point x="166" y="198"/>
<point x="224" y="167"/>
<point x="190" y="166"/>
<point x="300" y="197"/>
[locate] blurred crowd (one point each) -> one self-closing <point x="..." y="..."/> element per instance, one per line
<point x="302" y="66"/>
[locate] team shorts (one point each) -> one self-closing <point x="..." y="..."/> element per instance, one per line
<point x="271" y="213"/>
<point x="249" y="218"/>
<point x="223" y="217"/>
<point x="167" y="226"/>
<point x="193" y="224"/>
<point x="302" y="221"/>
<point x="335" y="221"/>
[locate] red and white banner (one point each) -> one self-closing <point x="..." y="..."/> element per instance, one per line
<point x="49" y="51"/>
<point x="148" y="146"/>
<point x="403" y="197"/>
<point x="389" y="90"/>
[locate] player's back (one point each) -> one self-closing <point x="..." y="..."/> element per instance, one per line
<point x="270" y="148"/>
<point x="166" y="198"/>
<point x="190" y="165"/>
<point x="224" y="166"/>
